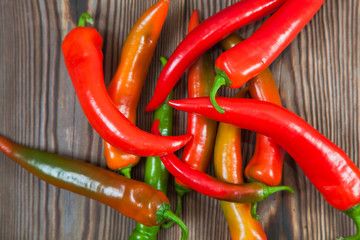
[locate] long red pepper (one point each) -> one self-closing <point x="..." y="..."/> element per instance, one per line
<point x="327" y="166"/>
<point x="125" y="87"/>
<point x="197" y="153"/>
<point x="229" y="168"/>
<point x="131" y="198"/>
<point x="201" y="182"/>
<point x="250" y="57"/>
<point x="267" y="162"/>
<point x="203" y="37"/>
<point x="84" y="61"/>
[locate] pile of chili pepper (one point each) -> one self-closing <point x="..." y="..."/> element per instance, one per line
<point x="112" y="113"/>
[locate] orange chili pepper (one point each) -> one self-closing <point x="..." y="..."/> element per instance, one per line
<point x="267" y="162"/>
<point x="228" y="168"/>
<point x="126" y="85"/>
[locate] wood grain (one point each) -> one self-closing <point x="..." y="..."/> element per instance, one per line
<point x="317" y="75"/>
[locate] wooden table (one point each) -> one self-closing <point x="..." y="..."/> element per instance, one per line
<point x="317" y="75"/>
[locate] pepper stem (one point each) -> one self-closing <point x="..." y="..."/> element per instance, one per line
<point x="218" y="82"/>
<point x="85" y="18"/>
<point x="163" y="61"/>
<point x="271" y="190"/>
<point x="177" y="213"/>
<point x="354" y="214"/>
<point x="126" y="171"/>
<point x="171" y="216"/>
<point x="254" y="215"/>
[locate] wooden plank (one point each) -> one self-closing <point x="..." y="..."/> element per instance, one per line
<point x="317" y="75"/>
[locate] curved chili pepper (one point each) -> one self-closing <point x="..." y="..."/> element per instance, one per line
<point x="327" y="166"/>
<point x="84" y="61"/>
<point x="267" y="162"/>
<point x="201" y="182"/>
<point x="261" y="48"/>
<point x="156" y="174"/>
<point x="197" y="153"/>
<point x="203" y="37"/>
<point x="228" y="168"/>
<point x="131" y="198"/>
<point x="125" y="87"/>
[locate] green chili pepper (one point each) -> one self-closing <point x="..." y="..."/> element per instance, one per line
<point x="156" y="174"/>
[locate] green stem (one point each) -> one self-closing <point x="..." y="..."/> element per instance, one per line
<point x="177" y="213"/>
<point x="254" y="215"/>
<point x="171" y="216"/>
<point x="126" y="171"/>
<point x="142" y="232"/>
<point x="220" y="79"/>
<point x="180" y="191"/>
<point x="218" y="82"/>
<point x="85" y="17"/>
<point x="354" y="214"/>
<point x="178" y="205"/>
<point x="271" y="190"/>
<point x="163" y="61"/>
<point x="268" y="190"/>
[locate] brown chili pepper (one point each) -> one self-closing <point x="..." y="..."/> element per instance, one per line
<point x="134" y="199"/>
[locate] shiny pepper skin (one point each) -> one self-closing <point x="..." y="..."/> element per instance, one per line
<point x="127" y="83"/>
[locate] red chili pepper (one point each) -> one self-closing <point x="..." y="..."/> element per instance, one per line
<point x="327" y="166"/>
<point x="206" y="35"/>
<point x="197" y="153"/>
<point x="261" y="48"/>
<point x="84" y="61"/>
<point x="267" y="162"/>
<point x="229" y="168"/>
<point x="201" y="182"/>
<point x="125" y="87"/>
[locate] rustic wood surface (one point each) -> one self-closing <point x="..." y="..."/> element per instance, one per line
<point x="317" y="75"/>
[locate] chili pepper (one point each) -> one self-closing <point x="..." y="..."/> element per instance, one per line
<point x="327" y="166"/>
<point x="131" y="198"/>
<point x="201" y="182"/>
<point x="197" y="153"/>
<point x="203" y="37"/>
<point x="156" y="175"/>
<point x="126" y="85"/>
<point x="261" y="48"/>
<point x="267" y="162"/>
<point x="228" y="168"/>
<point x="83" y="58"/>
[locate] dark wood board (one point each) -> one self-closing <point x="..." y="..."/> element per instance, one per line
<point x="317" y="76"/>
